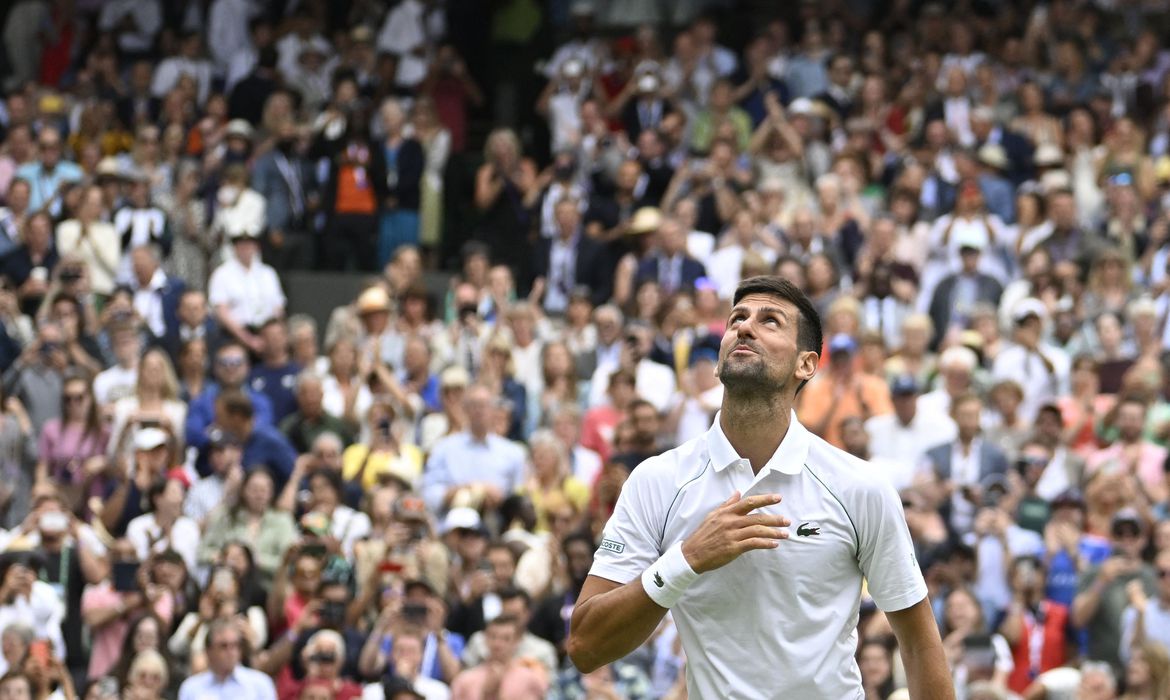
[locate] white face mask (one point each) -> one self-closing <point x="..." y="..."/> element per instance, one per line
<point x="228" y="194"/>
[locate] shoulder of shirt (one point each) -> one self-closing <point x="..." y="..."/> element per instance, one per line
<point x="847" y="477"/>
<point x="676" y="467"/>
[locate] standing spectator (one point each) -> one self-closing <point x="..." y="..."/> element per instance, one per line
<point x="134" y="25"/>
<point x="953" y="301"/>
<point x="506" y="192"/>
<point x="37" y="377"/>
<point x="189" y="64"/>
<point x="140" y="222"/>
<point x="30" y="264"/>
<point x="569" y="259"/>
<point x="904" y="436"/>
<point x="501" y="669"/>
<point x="1033" y="627"/>
<point x="966" y="466"/>
<point x="403" y="158"/>
<point x="70" y="447"/>
<point x="157" y="295"/>
<point x="353" y="195"/>
<point x="1101" y="592"/>
<point x="842" y="392"/>
<point x="13" y="215"/>
<point x="275" y="375"/>
<point x="282" y="177"/>
<point x="231" y="374"/>
<point x="1040" y="369"/>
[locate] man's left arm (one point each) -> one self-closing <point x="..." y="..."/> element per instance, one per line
<point x="922" y="652"/>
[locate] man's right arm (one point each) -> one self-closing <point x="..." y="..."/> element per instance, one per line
<point x="611" y="619"/>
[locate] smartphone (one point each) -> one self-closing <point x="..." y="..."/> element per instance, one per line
<point x="125" y="575"/>
<point x="223" y="580"/>
<point x="414" y="612"/>
<point x="40" y="651"/>
<point x="313" y="549"/>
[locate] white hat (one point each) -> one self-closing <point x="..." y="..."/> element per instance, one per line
<point x="1029" y="306"/>
<point x="240" y="128"/>
<point x="1048" y="155"/>
<point x="146" y="439"/>
<point x="462" y="519"/>
<point x="802" y="106"/>
<point x="994" y="155"/>
<point x="970" y="237"/>
<point x="1054" y="180"/>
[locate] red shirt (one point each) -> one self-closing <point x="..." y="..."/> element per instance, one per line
<point x="597" y="429"/>
<point x="1046" y="633"/>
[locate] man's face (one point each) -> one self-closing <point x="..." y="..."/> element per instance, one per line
<point x="309" y="398"/>
<point x="517" y="608"/>
<point x="759" y="350"/>
<point x="671" y="238"/>
<point x="608" y="328"/>
<point x="502" y="641"/>
<point x="406" y="652"/>
<point x="1127" y="539"/>
<point x="503" y="565"/>
<point x="854" y="437"/>
<point x="567" y="217"/>
<point x="905" y="407"/>
<point x="1131" y="419"/>
<point x="144" y="265"/>
<point x="478" y="404"/>
<point x="967" y="416"/>
<point x="193" y="309"/>
<point x="231" y="366"/>
<point x="580" y="557"/>
<point x="645" y="422"/>
<point x="224" y="652"/>
<point x="50" y="148"/>
<point x="275" y="337"/>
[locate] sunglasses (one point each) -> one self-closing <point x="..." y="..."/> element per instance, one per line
<point x="75" y="398"/>
<point x="230" y="362"/>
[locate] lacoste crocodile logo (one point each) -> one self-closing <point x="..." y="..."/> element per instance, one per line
<point x="658" y="580"/>
<point x="806" y="529"/>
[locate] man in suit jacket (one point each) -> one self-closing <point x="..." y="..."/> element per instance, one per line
<point x="958" y="294"/>
<point x="670" y="266"/>
<point x="192" y="320"/>
<point x="283" y="176"/>
<point x="156" y="294"/>
<point x="571" y="259"/>
<point x="1018" y="149"/>
<point x="966" y="467"/>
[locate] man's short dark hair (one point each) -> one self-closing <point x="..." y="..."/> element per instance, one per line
<point x="508" y="621"/>
<point x="237" y="403"/>
<point x="809" y="333"/>
<point x="513" y="593"/>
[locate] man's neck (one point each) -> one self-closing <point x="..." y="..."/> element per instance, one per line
<point x="755" y="426"/>
<point x="478" y="436"/>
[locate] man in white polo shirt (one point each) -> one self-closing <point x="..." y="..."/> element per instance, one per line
<point x="762" y="611"/>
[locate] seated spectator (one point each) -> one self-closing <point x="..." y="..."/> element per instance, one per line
<point x="262" y="444"/>
<point x="226" y="678"/>
<point x="92" y="240"/>
<point x="474" y="466"/>
<point x="70" y="448"/>
<point x="164" y="527"/>
<point x="221" y="601"/>
<point x="549" y="477"/>
<point x="517" y="605"/>
<point x="323" y="656"/>
<point x="244" y="292"/>
<point x="28" y="266"/>
<point x="230" y="370"/>
<point x="310" y="420"/>
<point x="252" y="518"/>
<point x="381" y="456"/>
<point x="275" y="374"/>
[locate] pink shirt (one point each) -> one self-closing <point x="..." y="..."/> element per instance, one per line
<point x="1150" y="461"/>
<point x="107" y="639"/>
<point x="521" y="682"/>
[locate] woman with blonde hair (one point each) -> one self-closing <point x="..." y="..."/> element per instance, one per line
<point x="148" y="677"/>
<point x="1147" y="675"/>
<point x="550" y="480"/>
<point x="155" y="400"/>
<point x="914" y="356"/>
<point x="507" y="189"/>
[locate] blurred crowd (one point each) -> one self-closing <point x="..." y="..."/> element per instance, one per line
<point x="209" y="494"/>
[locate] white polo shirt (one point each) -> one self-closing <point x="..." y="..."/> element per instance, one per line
<point x="779" y="623"/>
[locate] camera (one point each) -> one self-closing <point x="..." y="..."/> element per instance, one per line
<point x="414" y="612"/>
<point x="70" y="275"/>
<point x="332" y="613"/>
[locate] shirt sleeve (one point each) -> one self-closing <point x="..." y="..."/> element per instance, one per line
<point x="632" y="539"/>
<point x="885" y="550"/>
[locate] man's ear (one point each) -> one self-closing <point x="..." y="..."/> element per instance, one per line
<point x="806" y="365"/>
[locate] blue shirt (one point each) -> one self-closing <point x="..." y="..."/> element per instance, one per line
<point x="242" y="684"/>
<point x="201" y="414"/>
<point x="43" y="186"/>
<point x="269" y="447"/>
<point x="279" y="384"/>
<point x="460" y="459"/>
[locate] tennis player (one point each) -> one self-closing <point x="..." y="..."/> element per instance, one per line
<point x="757" y="536"/>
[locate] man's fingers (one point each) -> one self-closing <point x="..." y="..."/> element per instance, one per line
<point x="732" y="499"/>
<point x="758" y="543"/>
<point x="765" y="519"/>
<point x="751" y="503"/>
<point x="756" y="532"/>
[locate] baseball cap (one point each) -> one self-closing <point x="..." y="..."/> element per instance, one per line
<point x="462" y="519"/>
<point x="971" y="238"/>
<point x="645" y="220"/>
<point x="1069" y="497"/>
<point x="904" y="385"/>
<point x="240" y="128"/>
<point x="1126" y="516"/>
<point x="149" y="438"/>
<point x="842" y="342"/>
<point x="698" y="354"/>
<point x="1030" y="306"/>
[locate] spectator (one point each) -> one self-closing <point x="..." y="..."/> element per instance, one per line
<point x="140" y="223"/>
<point x="231" y="371"/>
<point x="245" y="293"/>
<point x="225" y="676"/>
<point x="37" y="377"/>
<point x="1041" y="370"/>
<point x="164" y="526"/>
<point x="517" y="679"/>
<point x="262" y="444"/>
<point x="49" y="175"/>
<point x="1101" y="598"/>
<point x="157" y="295"/>
<point x="842" y="392"/>
<point x="29" y="266"/>
<point x="473" y="466"/>
<point x="282" y="176"/>
<point x="275" y="375"/>
<point x="70" y="448"/>
<point x="905" y="435"/>
<point x="92" y="240"/>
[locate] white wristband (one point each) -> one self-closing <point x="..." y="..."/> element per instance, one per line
<point x="668" y="578"/>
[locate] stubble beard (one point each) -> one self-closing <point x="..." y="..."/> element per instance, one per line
<point x="748" y="378"/>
